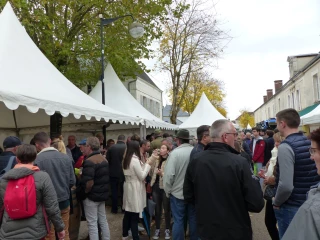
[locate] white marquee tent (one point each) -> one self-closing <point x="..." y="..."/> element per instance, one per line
<point x="204" y="114"/>
<point x="31" y="84"/>
<point x="248" y="126"/>
<point x="117" y="95"/>
<point x="312" y="117"/>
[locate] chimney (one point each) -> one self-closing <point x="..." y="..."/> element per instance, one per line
<point x="265" y="99"/>
<point x="277" y="85"/>
<point x="269" y="94"/>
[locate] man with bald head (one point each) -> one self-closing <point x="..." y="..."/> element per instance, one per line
<point x="220" y="184"/>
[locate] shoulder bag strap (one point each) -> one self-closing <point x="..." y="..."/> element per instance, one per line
<point x="46" y="219"/>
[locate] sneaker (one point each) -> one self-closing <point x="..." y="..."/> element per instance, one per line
<point x="156" y="234"/>
<point x="167" y="234"/>
<point x="140" y="229"/>
<point x="129" y="233"/>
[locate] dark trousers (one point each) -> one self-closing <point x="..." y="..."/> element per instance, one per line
<point x="115" y="185"/>
<point x="130" y="221"/>
<point x="161" y="200"/>
<point x="271" y="221"/>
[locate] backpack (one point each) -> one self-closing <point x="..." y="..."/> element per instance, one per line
<point x="20" y="199"/>
<point x="8" y="167"/>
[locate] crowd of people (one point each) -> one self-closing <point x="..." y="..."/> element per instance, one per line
<point x="208" y="186"/>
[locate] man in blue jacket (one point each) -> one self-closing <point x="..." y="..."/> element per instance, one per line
<point x="296" y="172"/>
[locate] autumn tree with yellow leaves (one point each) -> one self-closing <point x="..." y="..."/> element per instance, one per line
<point x="246" y="118"/>
<point x="202" y="82"/>
<point x="190" y="43"/>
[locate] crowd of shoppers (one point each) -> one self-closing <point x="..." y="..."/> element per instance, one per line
<point x="208" y="187"/>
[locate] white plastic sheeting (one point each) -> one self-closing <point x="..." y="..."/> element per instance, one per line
<point x="116" y="95"/>
<point x="30" y="82"/>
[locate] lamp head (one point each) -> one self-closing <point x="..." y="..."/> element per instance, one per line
<point x="136" y="30"/>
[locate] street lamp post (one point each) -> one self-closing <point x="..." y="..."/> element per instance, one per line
<point x="136" y="30"/>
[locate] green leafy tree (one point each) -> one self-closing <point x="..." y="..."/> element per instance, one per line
<point x="68" y="33"/>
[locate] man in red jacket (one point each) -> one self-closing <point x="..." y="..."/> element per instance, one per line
<point x="257" y="147"/>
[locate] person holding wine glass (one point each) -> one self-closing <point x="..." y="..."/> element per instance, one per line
<point x="158" y="194"/>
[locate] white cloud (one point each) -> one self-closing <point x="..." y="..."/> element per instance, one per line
<point x="265" y="34"/>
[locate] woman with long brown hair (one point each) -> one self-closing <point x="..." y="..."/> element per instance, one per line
<point x="158" y="194"/>
<point x="134" y="190"/>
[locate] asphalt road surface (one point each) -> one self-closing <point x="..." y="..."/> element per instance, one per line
<point x="115" y="225"/>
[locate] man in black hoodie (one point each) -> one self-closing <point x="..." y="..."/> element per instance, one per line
<point x="225" y="188"/>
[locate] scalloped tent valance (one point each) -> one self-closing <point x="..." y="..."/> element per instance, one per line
<point x="28" y="79"/>
<point x="117" y="95"/>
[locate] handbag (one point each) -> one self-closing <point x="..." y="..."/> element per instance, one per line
<point x="269" y="192"/>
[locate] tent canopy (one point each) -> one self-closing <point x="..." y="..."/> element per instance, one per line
<point x="248" y="126"/>
<point x="117" y="95"/>
<point x="30" y="82"/>
<point x="204" y="114"/>
<point x="312" y="117"/>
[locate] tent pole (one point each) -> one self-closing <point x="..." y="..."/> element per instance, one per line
<point x="15" y="123"/>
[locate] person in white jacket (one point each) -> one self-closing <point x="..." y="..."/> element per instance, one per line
<point x="134" y="190"/>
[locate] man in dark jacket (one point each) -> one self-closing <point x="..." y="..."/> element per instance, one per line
<point x="296" y="172"/>
<point x="59" y="167"/>
<point x="203" y="139"/>
<point x="115" y="157"/>
<point x="225" y="187"/>
<point x="94" y="186"/>
<point x="10" y="145"/>
<point x="269" y="146"/>
<point x="75" y="150"/>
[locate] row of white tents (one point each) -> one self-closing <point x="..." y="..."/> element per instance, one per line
<point x="32" y="89"/>
<point x="31" y="84"/>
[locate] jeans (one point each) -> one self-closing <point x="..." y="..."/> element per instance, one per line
<point x="115" y="184"/>
<point x="130" y="221"/>
<point x="191" y="211"/>
<point x="271" y="221"/>
<point x="96" y="214"/>
<point x="284" y="216"/>
<point x="258" y="167"/>
<point x="160" y="198"/>
<point x="65" y="218"/>
<point x="180" y="211"/>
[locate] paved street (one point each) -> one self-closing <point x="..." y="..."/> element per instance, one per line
<point x="115" y="225"/>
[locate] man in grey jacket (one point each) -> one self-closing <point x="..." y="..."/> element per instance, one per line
<point x="60" y="169"/>
<point x="173" y="179"/>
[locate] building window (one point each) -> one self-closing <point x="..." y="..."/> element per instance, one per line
<point x="316" y="88"/>
<point x="269" y="112"/>
<point x="292" y="98"/>
<point x="274" y="110"/>
<point x="158" y="109"/>
<point x="151" y="107"/>
<point x="289" y="102"/>
<point x="298" y="100"/>
<point x="145" y="102"/>
<point x="279" y="105"/>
